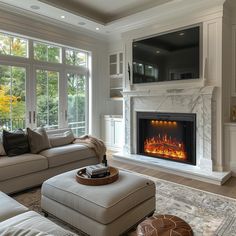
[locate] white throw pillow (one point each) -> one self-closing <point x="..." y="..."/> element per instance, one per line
<point x="38" y="140"/>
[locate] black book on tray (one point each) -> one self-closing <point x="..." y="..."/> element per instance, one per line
<point x="98" y="175"/>
<point x="96" y="169"/>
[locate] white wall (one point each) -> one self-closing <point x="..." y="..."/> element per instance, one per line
<point x="233" y="25"/>
<point x="43" y="29"/>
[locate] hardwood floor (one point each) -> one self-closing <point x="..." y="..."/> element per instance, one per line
<point x="228" y="189"/>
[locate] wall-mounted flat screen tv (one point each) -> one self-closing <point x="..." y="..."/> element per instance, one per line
<point x="167" y="57"/>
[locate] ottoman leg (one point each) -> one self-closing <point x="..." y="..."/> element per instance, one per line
<point x="45" y="214"/>
<point x="151" y="214"/>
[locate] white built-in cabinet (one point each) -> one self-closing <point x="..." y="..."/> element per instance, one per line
<point x="116" y="75"/>
<point x="112" y="131"/>
<point x="230" y="145"/>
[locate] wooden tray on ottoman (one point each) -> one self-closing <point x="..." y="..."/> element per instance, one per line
<point x="82" y="178"/>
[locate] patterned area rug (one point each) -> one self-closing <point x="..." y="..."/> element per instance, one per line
<point x="208" y="214"/>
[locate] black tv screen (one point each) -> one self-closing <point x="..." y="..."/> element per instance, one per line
<point x="166" y="57"/>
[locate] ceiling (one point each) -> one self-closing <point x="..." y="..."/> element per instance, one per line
<point x="104" y="11"/>
<point x="105" y="17"/>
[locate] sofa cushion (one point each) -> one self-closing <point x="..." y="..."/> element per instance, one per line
<point x="18" y="231"/>
<point x="61" y="139"/>
<point x="38" y="140"/>
<point x="11" y="167"/>
<point x="10" y="207"/>
<point x="65" y="154"/>
<point x="15" y="143"/>
<point x="34" y="221"/>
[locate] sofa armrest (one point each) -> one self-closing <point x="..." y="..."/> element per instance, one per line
<point x="10" y="207"/>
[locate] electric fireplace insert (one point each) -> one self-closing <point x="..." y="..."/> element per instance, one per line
<point x="170" y="136"/>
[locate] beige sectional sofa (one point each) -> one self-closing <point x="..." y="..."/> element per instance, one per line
<point x="16" y="219"/>
<point x="29" y="170"/>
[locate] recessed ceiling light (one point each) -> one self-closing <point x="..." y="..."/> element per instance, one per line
<point x="34" y="7"/>
<point x="158" y="51"/>
<point x="181" y="34"/>
<point x="97" y="28"/>
<point x="82" y="23"/>
<point x="63" y="17"/>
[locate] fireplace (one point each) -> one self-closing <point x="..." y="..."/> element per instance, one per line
<point x="170" y="136"/>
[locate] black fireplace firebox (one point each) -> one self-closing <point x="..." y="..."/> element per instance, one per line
<point x="170" y="136"/>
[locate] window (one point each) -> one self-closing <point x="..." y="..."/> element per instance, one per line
<point x="47" y="88"/>
<point x="47" y="98"/>
<point x="14" y="46"/>
<point x="76" y="88"/>
<point x="46" y="52"/>
<point x="12" y="97"/>
<point x="76" y="58"/>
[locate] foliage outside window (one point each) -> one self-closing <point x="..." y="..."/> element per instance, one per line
<point x="76" y="88"/>
<point x="12" y="97"/>
<point x="76" y="58"/>
<point x="47" y="98"/>
<point x="14" y="46"/>
<point x="47" y="52"/>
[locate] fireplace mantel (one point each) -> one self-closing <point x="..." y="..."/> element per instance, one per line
<point x="206" y="90"/>
<point x="198" y="100"/>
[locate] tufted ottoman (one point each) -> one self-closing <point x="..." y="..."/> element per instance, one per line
<point x="99" y="210"/>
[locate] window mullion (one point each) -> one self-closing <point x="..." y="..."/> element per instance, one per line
<point x="11" y="97"/>
<point x="47" y="102"/>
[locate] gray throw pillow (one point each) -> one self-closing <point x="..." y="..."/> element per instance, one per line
<point x="15" y="143"/>
<point x="61" y="139"/>
<point x="38" y="140"/>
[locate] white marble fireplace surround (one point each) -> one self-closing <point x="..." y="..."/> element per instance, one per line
<point x="187" y="100"/>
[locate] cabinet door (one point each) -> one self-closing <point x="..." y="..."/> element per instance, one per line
<point x="107" y="131"/>
<point x="113" y="64"/>
<point x="116" y="75"/>
<point x="118" y="131"/>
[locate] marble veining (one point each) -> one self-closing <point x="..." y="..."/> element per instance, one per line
<point x="184" y="100"/>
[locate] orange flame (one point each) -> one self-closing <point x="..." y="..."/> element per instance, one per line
<point x="166" y="147"/>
